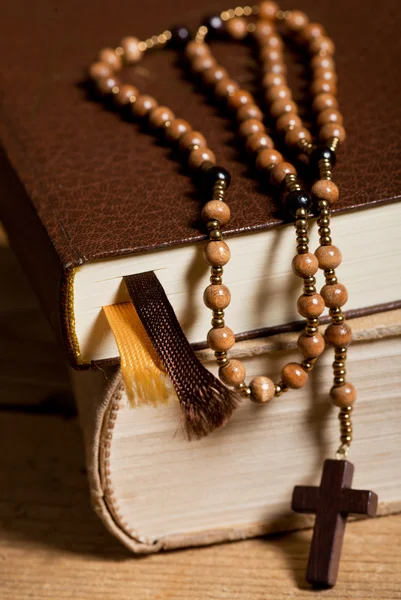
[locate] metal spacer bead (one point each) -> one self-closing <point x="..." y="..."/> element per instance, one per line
<point x="217" y="323"/>
<point x="215" y="235"/>
<point x="333" y="143"/>
<point x="302" y="249"/>
<point x="325" y="240"/>
<point x="216" y="271"/>
<point x="339" y="381"/>
<point x="221" y="358"/>
<point x="213" y="224"/>
<point x="305" y="146"/>
<point x="309" y="290"/>
<point x="216" y="280"/>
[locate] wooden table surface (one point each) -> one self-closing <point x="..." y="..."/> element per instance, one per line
<point x="53" y="546"/>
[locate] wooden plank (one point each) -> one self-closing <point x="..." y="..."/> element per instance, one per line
<point x="53" y="546"/>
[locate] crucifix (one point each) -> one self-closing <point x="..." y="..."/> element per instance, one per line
<point x="332" y="502"/>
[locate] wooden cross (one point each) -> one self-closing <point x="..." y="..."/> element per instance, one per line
<point x="332" y="502"/>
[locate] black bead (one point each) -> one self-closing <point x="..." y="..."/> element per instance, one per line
<point x="214" y="24"/>
<point x="180" y="36"/>
<point x="322" y="152"/>
<point x="296" y="200"/>
<point x="215" y="174"/>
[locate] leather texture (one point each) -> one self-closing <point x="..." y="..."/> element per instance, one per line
<point x="98" y="186"/>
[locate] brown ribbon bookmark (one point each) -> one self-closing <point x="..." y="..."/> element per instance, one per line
<point x="205" y="402"/>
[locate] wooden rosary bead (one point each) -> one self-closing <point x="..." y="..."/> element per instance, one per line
<point x="322" y="62"/>
<point x="262" y="389"/>
<point x="130" y="46"/>
<point x="320" y="86"/>
<point x="217" y="254"/>
<point x="107" y="55"/>
<point x="100" y="70"/>
<point x="322" y="45"/>
<point x="201" y="64"/>
<point x="251" y="126"/>
<point x="220" y="339"/>
<point x="279" y="171"/>
<point x="338" y="335"/>
<point x="268" y="158"/>
<point x="263" y="30"/>
<point x="278" y="68"/>
<point x="217" y="297"/>
<point x="249" y="111"/>
<point x="311" y="31"/>
<point x="311" y="346"/>
<point x="196" y="49"/>
<point x="296" y="21"/>
<point x="331" y="130"/>
<point x="287" y="121"/>
<point x="176" y="129"/>
<point x="233" y="373"/>
<point x="325" y="189"/>
<point x="281" y="107"/>
<point x="237" y="28"/>
<point x="296" y="135"/>
<point x="225" y="88"/>
<point x="305" y="265"/>
<point x="343" y="396"/>
<point x="199" y="156"/>
<point x="268" y="10"/>
<point x="161" y="117"/>
<point x="272" y="80"/>
<point x="213" y="75"/>
<point x="329" y="257"/>
<point x="273" y="41"/>
<point x="191" y="140"/>
<point x="329" y="115"/>
<point x="239" y="98"/>
<point x="143" y="105"/>
<point x="216" y="210"/>
<point x="107" y="84"/>
<point x="127" y="94"/>
<point x="311" y="306"/>
<point x="258" y="141"/>
<point x="334" y="296"/>
<point x="278" y="92"/>
<point x="294" y="376"/>
<point x="271" y="56"/>
<point x="324" y="101"/>
<point x="326" y="74"/>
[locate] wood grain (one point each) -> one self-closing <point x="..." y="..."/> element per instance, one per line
<point x="53" y="546"/>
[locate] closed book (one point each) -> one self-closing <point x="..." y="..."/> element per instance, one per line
<point x="88" y="197"/>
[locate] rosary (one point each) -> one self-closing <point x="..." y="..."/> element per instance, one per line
<point x="334" y="499"/>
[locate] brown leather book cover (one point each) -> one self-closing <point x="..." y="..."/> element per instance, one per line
<point x="78" y="183"/>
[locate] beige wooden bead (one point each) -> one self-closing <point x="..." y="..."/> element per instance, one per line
<point x="268" y="10"/>
<point x="331" y="130"/>
<point x="296" y="135"/>
<point x="329" y="115"/>
<point x="322" y="45"/>
<point x="176" y="129"/>
<point x="329" y="257"/>
<point x="226" y="87"/>
<point x="273" y="80"/>
<point x="321" y="86"/>
<point x="196" y="49"/>
<point x="344" y="395"/>
<point x="310" y="307"/>
<point x="268" y="158"/>
<point x="305" y="265"/>
<point x="217" y="254"/>
<point x="263" y="30"/>
<point x="279" y="172"/>
<point x="258" y="141"/>
<point x="100" y="70"/>
<point x="288" y="120"/>
<point x="233" y="373"/>
<point x="322" y="62"/>
<point x="296" y="21"/>
<point x="199" y="156"/>
<point x="326" y="74"/>
<point x="191" y="140"/>
<point x="294" y="376"/>
<point x="220" y="339"/>
<point x="251" y="126"/>
<point x="132" y="53"/>
<point x="108" y="56"/>
<point x="311" y="31"/>
<point x="325" y="189"/>
<point x="338" y="334"/>
<point x="237" y="28"/>
<point x="216" y="210"/>
<point x="273" y="41"/>
<point x="281" y="107"/>
<point x="324" y="101"/>
<point x="217" y="297"/>
<point x="334" y="295"/>
<point x="278" y="92"/>
<point x="271" y="56"/>
<point x="143" y="105"/>
<point x="161" y="117"/>
<point x="127" y="94"/>
<point x="262" y="389"/>
<point x="249" y="111"/>
<point x="202" y="63"/>
<point x="213" y="75"/>
<point x="311" y="346"/>
<point x="278" y="68"/>
<point x="107" y="84"/>
<point x="239" y="98"/>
